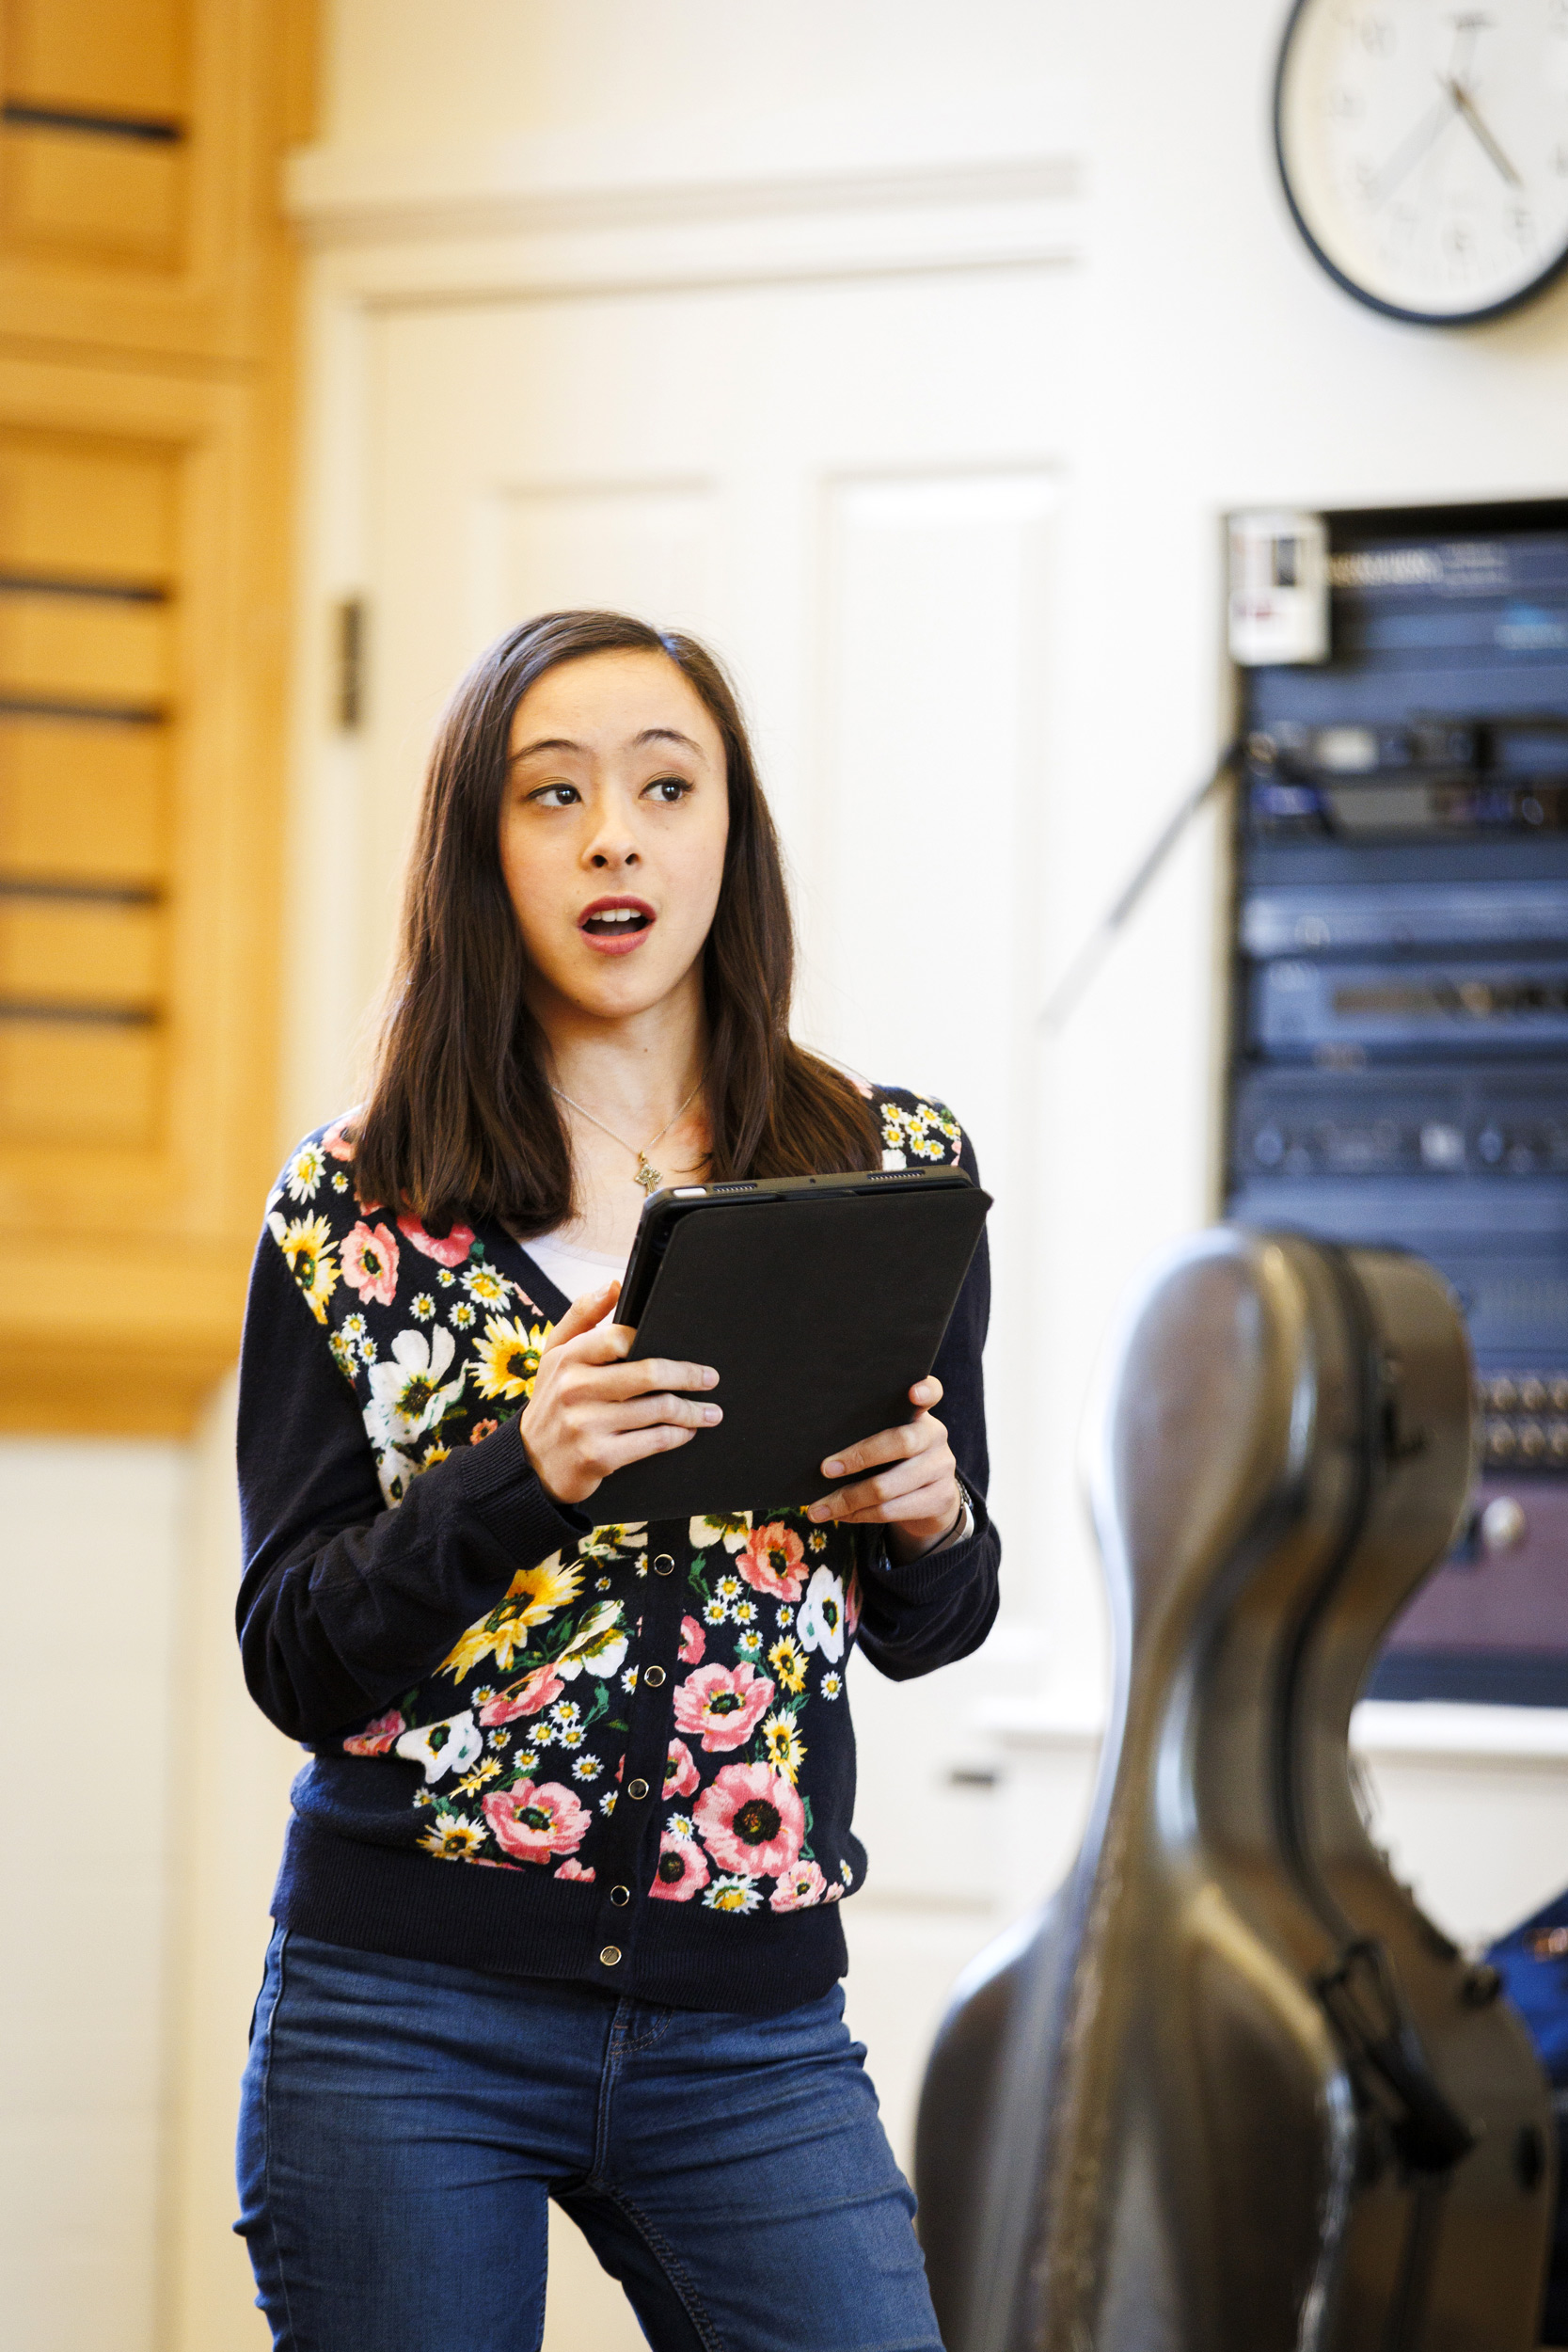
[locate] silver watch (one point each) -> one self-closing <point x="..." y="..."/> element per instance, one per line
<point x="962" y="1527"/>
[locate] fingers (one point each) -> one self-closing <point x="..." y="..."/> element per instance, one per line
<point x="648" y="1372"/>
<point x="608" y="1345"/>
<point x="581" y="1316"/>
<point x="888" y="1445"/>
<point x="926" y="1392"/>
<point x="636" y="1445"/>
<point x="592" y="1411"/>
<point x="681" y="1412"/>
<point x="888" y="1495"/>
<point x="921" y="1468"/>
<point x="936" y="1504"/>
<point x="571" y="1472"/>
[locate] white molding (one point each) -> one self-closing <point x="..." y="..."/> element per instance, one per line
<point x="1446" y="1732"/>
<point x="346" y="198"/>
<point x="753" y="251"/>
<point x="1020" y="141"/>
<point x="1035" y="1726"/>
<point x="828" y="194"/>
<point x="1426" y="1731"/>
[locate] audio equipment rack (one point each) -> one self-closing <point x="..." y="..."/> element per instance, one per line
<point x="1398" y="1068"/>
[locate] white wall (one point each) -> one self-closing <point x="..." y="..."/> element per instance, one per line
<point x="148" y="1804"/>
<point x="87" y="1638"/>
<point x="695" y="76"/>
<point x="1216" y="365"/>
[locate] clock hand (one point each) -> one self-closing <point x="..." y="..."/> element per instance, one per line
<point x="1466" y="107"/>
<point x="1467" y="31"/>
<point x="1408" y="154"/>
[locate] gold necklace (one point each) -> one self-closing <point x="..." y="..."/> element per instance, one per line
<point x="647" y="1175"/>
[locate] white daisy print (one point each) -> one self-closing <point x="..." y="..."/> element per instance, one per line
<point x="411" y="1394"/>
<point x="441" y="1748"/>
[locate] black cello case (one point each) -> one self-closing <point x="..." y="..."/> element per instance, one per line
<point x="1230" y="2091"/>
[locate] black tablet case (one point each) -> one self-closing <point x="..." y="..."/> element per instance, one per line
<point x="818" y="1316"/>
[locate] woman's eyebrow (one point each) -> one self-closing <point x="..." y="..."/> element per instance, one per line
<point x="564" y="744"/>
<point x="666" y="735"/>
<point x="545" y="743"/>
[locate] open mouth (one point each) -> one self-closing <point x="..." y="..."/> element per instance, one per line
<point x="616" y="924"/>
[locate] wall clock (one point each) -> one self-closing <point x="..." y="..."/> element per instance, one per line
<point x="1424" y="150"/>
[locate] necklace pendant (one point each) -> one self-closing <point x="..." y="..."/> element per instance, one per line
<point x="648" y="1176"/>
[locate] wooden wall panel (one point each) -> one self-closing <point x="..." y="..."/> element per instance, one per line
<point x="84" y="196"/>
<point x="113" y="58"/>
<point x="93" y="1086"/>
<point x="144" y="515"/>
<point x="139" y="146"/>
<point x="91" y="622"/>
<point x="79" y="953"/>
<point x="84" y="800"/>
<point x="96" y="132"/>
<point x="81" y="646"/>
<point x="88" y="506"/>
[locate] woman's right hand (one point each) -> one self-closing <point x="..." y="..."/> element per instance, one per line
<point x="592" y="1411"/>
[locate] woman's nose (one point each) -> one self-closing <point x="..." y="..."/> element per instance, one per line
<point x="611" y="842"/>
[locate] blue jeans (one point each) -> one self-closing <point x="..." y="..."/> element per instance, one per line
<point x="402" y="2124"/>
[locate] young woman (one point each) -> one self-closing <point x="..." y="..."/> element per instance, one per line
<point x="558" y="1914"/>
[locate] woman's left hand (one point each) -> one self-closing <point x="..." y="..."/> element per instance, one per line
<point x="914" y="1490"/>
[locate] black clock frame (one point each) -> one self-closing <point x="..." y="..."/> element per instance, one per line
<point x="1516" y="301"/>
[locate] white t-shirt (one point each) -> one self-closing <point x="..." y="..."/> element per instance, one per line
<point x="574" y="1272"/>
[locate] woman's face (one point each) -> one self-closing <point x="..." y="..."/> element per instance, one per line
<point x="612" y="830"/>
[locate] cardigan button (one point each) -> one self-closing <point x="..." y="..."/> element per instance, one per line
<point x="655" y="1677"/>
<point x="620" y="1895"/>
<point x="610" y="1955"/>
<point x="664" y="1563"/>
<point x="637" y="1791"/>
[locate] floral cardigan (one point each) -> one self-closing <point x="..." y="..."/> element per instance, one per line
<point x="618" y="1754"/>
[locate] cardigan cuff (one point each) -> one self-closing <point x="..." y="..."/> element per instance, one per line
<point x="501" y="1485"/>
<point x="928" y="1578"/>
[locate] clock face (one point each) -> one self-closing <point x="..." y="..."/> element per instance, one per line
<point x="1424" y="149"/>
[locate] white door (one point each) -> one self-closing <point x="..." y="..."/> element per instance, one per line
<point x="853" y="492"/>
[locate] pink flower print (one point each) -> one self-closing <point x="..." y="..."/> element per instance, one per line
<point x="693" y="1642"/>
<point x="722" y="1703"/>
<point x="851" y="1605"/>
<point x="574" y="1869"/>
<point x="378" y="1737"/>
<point x="680" y="1774"/>
<point x="533" y="1823"/>
<point x="338" y="1142"/>
<point x="535" y="1690"/>
<point x="369" y="1261"/>
<point x="798" y="1889"/>
<point x="680" y="1870"/>
<point x="451" y="1251"/>
<point x="774" y="1561"/>
<point x="481" y="1430"/>
<point x="751" y="1820"/>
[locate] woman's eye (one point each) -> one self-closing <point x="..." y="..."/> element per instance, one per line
<point x="668" y="790"/>
<point x="556" y="796"/>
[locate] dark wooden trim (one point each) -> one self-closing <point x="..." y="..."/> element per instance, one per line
<point x="21" y="114"/>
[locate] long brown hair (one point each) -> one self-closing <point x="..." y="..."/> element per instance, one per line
<point x="461" y="1117"/>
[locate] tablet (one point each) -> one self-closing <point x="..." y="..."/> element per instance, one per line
<point x="819" y="1300"/>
